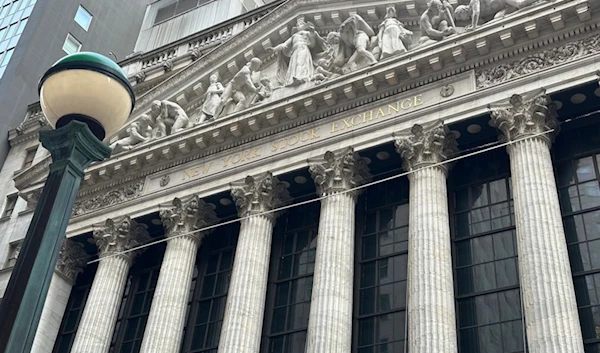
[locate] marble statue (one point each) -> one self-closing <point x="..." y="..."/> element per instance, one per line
<point x="356" y="35"/>
<point x="300" y="48"/>
<point x="436" y="22"/>
<point x="265" y="91"/>
<point x="212" y="99"/>
<point x="234" y="95"/>
<point x="393" y="38"/>
<point x="488" y="10"/>
<point x="140" y="131"/>
<point x="170" y="118"/>
<point x="329" y="64"/>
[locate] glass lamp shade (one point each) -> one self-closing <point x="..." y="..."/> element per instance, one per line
<point x="87" y="87"/>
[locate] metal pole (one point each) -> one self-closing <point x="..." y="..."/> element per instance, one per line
<point x="73" y="148"/>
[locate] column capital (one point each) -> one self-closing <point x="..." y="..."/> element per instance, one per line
<point x="525" y="115"/>
<point x="259" y="194"/>
<point x="72" y="259"/>
<point x="186" y="215"/>
<point x="338" y="171"/>
<point x="118" y="235"/>
<point x="424" y="145"/>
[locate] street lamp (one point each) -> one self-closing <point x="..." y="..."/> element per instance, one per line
<point x="85" y="96"/>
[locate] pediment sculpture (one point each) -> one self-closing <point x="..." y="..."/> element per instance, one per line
<point x="307" y="59"/>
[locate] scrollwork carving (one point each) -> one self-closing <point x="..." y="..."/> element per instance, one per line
<point x="118" y="235"/>
<point x="185" y="216"/>
<point x="338" y="171"/>
<point x="72" y="259"/>
<point x="259" y="194"/>
<point x="105" y="199"/>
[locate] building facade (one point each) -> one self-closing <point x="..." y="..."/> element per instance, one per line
<point x="334" y="177"/>
<point x="35" y="34"/>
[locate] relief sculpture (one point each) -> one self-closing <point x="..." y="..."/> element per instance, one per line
<point x="139" y="132"/>
<point x="212" y="99"/>
<point x="356" y="36"/>
<point x="169" y="118"/>
<point x="300" y="48"/>
<point x="436" y="23"/>
<point x="488" y="10"/>
<point x="238" y="91"/>
<point x="393" y="38"/>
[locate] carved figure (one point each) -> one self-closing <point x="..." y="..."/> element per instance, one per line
<point x="436" y="22"/>
<point x="170" y="118"/>
<point x="235" y="91"/>
<point x="265" y="90"/>
<point x="356" y="35"/>
<point x="393" y="38"/>
<point x="139" y="131"/>
<point x="488" y="10"/>
<point x="300" y="48"/>
<point x="212" y="98"/>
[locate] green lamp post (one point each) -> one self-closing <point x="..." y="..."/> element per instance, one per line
<point x="85" y="96"/>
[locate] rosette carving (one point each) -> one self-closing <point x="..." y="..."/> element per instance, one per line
<point x="259" y="194"/>
<point x="187" y="215"/>
<point x="525" y="115"/>
<point x="339" y="171"/>
<point x="72" y="259"/>
<point x="118" y="235"/>
<point x="425" y="145"/>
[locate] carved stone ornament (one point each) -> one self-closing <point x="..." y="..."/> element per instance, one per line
<point x="140" y="77"/>
<point x="72" y="259"/>
<point x="164" y="181"/>
<point x="259" y="194"/>
<point x="187" y="215"/>
<point x="338" y="171"/>
<point x="168" y="65"/>
<point x="425" y="145"/>
<point x="195" y="53"/>
<point x="105" y="199"/>
<point x="539" y="61"/>
<point x="118" y="235"/>
<point x="525" y="115"/>
<point x="447" y="91"/>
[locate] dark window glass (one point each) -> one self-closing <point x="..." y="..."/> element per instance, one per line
<point x="165" y="12"/>
<point x="185" y="5"/>
<point x="209" y="295"/>
<point x="579" y="192"/>
<point x="135" y="305"/>
<point x="9" y="206"/>
<point x="485" y="258"/>
<point x="383" y="269"/>
<point x="292" y="281"/>
<point x="29" y="156"/>
<point x="74" y="310"/>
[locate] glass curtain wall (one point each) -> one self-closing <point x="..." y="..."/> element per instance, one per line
<point x="577" y="163"/>
<point x="382" y="246"/>
<point x="485" y="255"/>
<point x="291" y="276"/>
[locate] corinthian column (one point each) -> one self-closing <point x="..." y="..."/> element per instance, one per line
<point x="102" y="306"/>
<point x="546" y="282"/>
<point x="71" y="261"/>
<point x="167" y="315"/>
<point x="330" y="320"/>
<point x="242" y="324"/>
<point x="431" y="315"/>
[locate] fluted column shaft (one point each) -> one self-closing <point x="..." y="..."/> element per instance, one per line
<point x="330" y="319"/>
<point x="102" y="307"/>
<point x="330" y="323"/>
<point x="242" y="324"/>
<point x="547" y="285"/>
<point x="431" y="313"/>
<point x="244" y="312"/>
<point x="548" y="295"/>
<point x="166" y="320"/>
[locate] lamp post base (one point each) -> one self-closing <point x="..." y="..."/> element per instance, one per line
<point x="73" y="147"/>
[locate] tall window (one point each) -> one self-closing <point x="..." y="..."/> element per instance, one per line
<point x="382" y="274"/>
<point x="29" y="156"/>
<point x="74" y="310"/>
<point x="9" y="206"/>
<point x="291" y="279"/>
<point x="485" y="256"/>
<point x="578" y="181"/>
<point x="177" y="8"/>
<point x="71" y="45"/>
<point x="135" y="305"/>
<point x="83" y="18"/>
<point x="215" y="262"/>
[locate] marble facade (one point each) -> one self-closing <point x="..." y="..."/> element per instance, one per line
<point x="311" y="86"/>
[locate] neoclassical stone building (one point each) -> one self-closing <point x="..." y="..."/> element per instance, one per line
<point x="332" y="177"/>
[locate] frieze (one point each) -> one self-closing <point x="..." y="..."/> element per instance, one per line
<point x="105" y="199"/>
<point x="538" y="61"/>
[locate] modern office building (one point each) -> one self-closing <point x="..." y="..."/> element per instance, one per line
<point x="323" y="176"/>
<point x="35" y="34"/>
